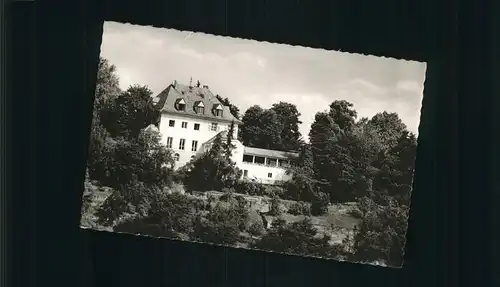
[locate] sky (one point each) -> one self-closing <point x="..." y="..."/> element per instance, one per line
<point x="251" y="73"/>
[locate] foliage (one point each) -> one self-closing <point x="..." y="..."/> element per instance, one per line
<point x="275" y="207"/>
<point x="129" y="200"/>
<point x="303" y="185"/>
<point x="144" y="159"/>
<point x="223" y="224"/>
<point x="297" y="238"/>
<point x="300" y="208"/>
<point x="129" y="113"/>
<point x="319" y="204"/>
<point x="290" y="136"/>
<point x="275" y="128"/>
<point x="388" y="126"/>
<point x="235" y="111"/>
<point x="228" y="145"/>
<point x="249" y="187"/>
<point x="396" y="169"/>
<point x="212" y="170"/>
<point x="167" y="215"/>
<point x="107" y="88"/>
<point x="381" y="235"/>
<point x="107" y="83"/>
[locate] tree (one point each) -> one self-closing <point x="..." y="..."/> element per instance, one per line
<point x="303" y="185"/>
<point x="212" y="170"/>
<point x="107" y="83"/>
<point x="397" y="167"/>
<point x="288" y="115"/>
<point x="343" y="114"/>
<point x="337" y="171"/>
<point x="388" y="126"/>
<point x="130" y="112"/>
<point x="270" y="130"/>
<point x="235" y="111"/>
<point x="261" y="128"/>
<point x="228" y="145"/>
<point x="144" y="159"/>
<point x="107" y="88"/>
<point x="381" y="234"/>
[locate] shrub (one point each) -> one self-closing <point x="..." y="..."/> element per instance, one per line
<point x="273" y="191"/>
<point x="223" y="223"/>
<point x="300" y="208"/>
<point x="381" y="234"/>
<point x="275" y="207"/>
<point x="296" y="238"/>
<point x="319" y="205"/>
<point x="249" y="187"/>
<point x="255" y="224"/>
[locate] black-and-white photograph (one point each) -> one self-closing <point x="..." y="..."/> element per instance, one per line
<point x="255" y="145"/>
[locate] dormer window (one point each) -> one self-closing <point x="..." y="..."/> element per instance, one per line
<point x="217" y="110"/>
<point x="180" y="104"/>
<point x="199" y="107"/>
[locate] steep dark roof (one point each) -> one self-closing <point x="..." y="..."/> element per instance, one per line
<point x="165" y="102"/>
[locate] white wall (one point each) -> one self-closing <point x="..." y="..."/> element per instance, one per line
<point x="260" y="172"/>
<point x="189" y="134"/>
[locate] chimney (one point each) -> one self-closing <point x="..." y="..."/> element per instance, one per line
<point x="175" y="83"/>
<point x="205" y="86"/>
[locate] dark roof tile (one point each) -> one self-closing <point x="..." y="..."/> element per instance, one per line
<point x="166" y="100"/>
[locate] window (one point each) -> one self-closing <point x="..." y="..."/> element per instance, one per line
<point x="176" y="157"/>
<point x="217" y="110"/>
<point x="260" y="160"/>
<point x="199" y="107"/>
<point x="182" y="143"/>
<point x="283" y="163"/>
<point x="180" y="105"/>
<point x="194" y="146"/>
<point x="271" y="161"/>
<point x="213" y="127"/>
<point x="245" y="173"/>
<point x="196" y="127"/>
<point x="170" y="140"/>
<point x="270" y="175"/>
<point x="171" y="123"/>
<point x="247" y="158"/>
<point x="184" y="125"/>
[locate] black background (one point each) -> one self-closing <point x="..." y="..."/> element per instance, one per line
<point x="55" y="49"/>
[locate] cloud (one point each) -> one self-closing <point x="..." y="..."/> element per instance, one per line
<point x="409" y="86"/>
<point x="253" y="73"/>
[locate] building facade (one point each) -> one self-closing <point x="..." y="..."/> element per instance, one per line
<point x="191" y="117"/>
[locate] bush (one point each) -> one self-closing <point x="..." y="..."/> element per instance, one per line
<point x="249" y="187"/>
<point x="296" y="238"/>
<point x="273" y="191"/>
<point x="300" y="208"/>
<point x="275" y="207"/>
<point x="381" y="234"/>
<point x="319" y="205"/>
<point x="255" y="224"/>
<point x="223" y="223"/>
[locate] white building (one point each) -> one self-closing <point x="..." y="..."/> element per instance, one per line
<point x="190" y="119"/>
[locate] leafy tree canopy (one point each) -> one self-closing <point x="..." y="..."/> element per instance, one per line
<point x="130" y="112"/>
